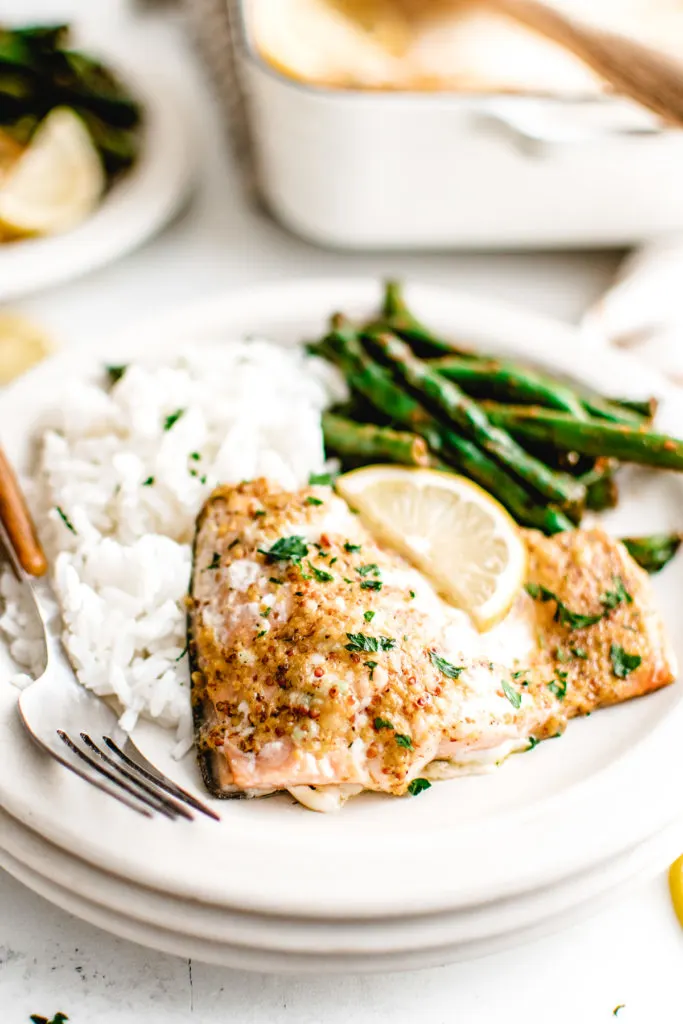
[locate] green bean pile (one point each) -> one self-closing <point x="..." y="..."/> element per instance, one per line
<point x="547" y="451"/>
<point x="39" y="71"/>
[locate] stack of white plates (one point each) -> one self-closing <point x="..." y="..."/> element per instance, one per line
<point x="468" y="867"/>
<point x="215" y="933"/>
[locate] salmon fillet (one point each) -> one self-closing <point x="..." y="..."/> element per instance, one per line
<point x="321" y="659"/>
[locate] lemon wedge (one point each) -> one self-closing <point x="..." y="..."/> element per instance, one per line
<point x="22" y="345"/>
<point x="450" y="529"/>
<point x="56" y="182"/>
<point x="676" y="887"/>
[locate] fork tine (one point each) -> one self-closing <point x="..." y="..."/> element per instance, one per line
<point x="83" y="774"/>
<point x="154" y="804"/>
<point x="162" y="780"/>
<point x="178" y="809"/>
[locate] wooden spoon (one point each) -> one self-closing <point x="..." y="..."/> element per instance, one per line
<point x="647" y="76"/>
<point x="17" y="521"/>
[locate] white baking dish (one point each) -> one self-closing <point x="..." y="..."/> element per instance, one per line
<point x="356" y="169"/>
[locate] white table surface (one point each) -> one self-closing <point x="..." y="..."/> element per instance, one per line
<point x="631" y="954"/>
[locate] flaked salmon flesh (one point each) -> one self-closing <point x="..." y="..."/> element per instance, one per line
<point x="322" y="659"/>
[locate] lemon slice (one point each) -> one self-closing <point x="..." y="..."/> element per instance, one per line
<point x="450" y="529"/>
<point x="56" y="182"/>
<point x="676" y="887"/>
<point x="22" y="344"/>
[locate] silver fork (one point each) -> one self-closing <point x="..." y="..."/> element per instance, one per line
<point x="53" y="702"/>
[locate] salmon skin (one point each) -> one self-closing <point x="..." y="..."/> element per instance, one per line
<point x="320" y="659"/>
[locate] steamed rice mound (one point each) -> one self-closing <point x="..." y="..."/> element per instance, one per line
<point x="122" y="474"/>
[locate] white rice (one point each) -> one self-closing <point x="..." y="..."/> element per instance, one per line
<point x="129" y="468"/>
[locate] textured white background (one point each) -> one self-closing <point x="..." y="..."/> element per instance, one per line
<point x="49" y="961"/>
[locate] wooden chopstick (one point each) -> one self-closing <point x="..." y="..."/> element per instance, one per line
<point x="18" y="524"/>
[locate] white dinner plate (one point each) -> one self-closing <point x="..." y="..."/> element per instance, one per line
<point x="565" y="808"/>
<point x="138" y="204"/>
<point x="276" y="944"/>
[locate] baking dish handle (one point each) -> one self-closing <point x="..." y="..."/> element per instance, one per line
<point x="535" y="125"/>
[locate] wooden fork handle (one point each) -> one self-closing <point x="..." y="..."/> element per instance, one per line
<point x="651" y="78"/>
<point x="17" y="521"/>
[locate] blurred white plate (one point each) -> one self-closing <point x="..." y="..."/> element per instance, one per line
<point x="138" y="204"/>
<point x="561" y="810"/>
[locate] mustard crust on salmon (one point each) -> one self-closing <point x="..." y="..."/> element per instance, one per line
<point x="320" y="659"/>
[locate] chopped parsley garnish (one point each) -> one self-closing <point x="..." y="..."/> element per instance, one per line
<point x="372" y="665"/>
<point x="452" y="671"/>
<point x="115" y="373"/>
<point x="321" y="479"/>
<point x="371" y="585"/>
<point x="615" y="1011"/>
<point x="193" y="472"/>
<point x="259" y="512"/>
<point x="148" y="482"/>
<point x="558" y="686"/>
<point x="215" y="561"/>
<point x="412" y="595"/>
<point x="346" y="579"/>
<point x="563" y="615"/>
<point x="381" y="723"/>
<point x="579" y="652"/>
<point x="320" y="574"/>
<point x="286" y="549"/>
<point x="562" y="656"/>
<point x="262" y="633"/>
<point x="266" y="613"/>
<point x="173" y="418"/>
<point x="518" y="675"/>
<point x="575" y="620"/>
<point x="59" y="1018"/>
<point x="65" y="519"/>
<point x="278" y="583"/>
<point x="352" y="549"/>
<point x="299" y="593"/>
<point x="611" y="598"/>
<point x="233" y="543"/>
<point x="371" y="644"/>
<point x="622" y="662"/>
<point x="404" y="741"/>
<point x="313" y="501"/>
<point x="512" y="695"/>
<point x="418" y="786"/>
<point x="533" y="742"/>
<point x="368" y="616"/>
<point x="333" y="560"/>
<point x="182" y="653"/>
<point x="202" y="479"/>
<point x="365" y="570"/>
<point x="195" y="456"/>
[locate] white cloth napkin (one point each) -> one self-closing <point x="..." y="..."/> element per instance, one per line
<point x="643" y="310"/>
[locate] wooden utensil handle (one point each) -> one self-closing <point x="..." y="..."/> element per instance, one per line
<point x="18" y="523"/>
<point x="651" y="78"/>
